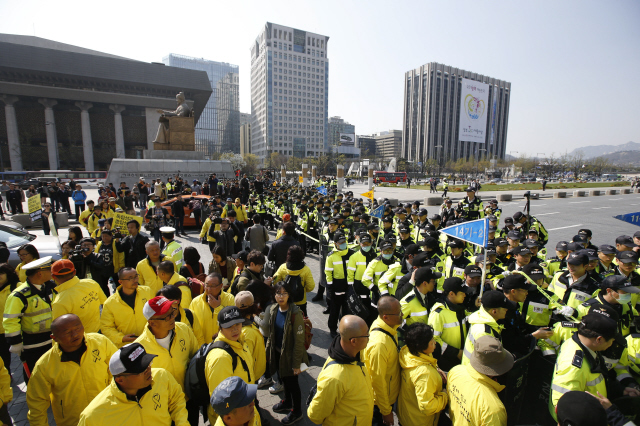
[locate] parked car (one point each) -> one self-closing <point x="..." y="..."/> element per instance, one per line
<point x="496" y="180"/>
<point x="13" y="237"/>
<point x="188" y="220"/>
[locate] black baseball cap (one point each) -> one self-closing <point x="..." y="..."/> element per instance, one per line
<point x="412" y="249"/>
<point x="435" y="217"/>
<point x="534" y="271"/>
<point x="131" y="358"/>
<point x="591" y="254"/>
<point x="426" y="274"/>
<point x="430" y="242"/>
<point x="517" y="281"/>
<point x="339" y="237"/>
<point x="454" y="284"/>
<point x="423" y="212"/>
<point x="242" y="255"/>
<point x="365" y="238"/>
<point x="472" y="270"/>
<point x="562" y="246"/>
<point x="232" y="393"/>
<point x="492" y="217"/>
<point x="619" y="282"/>
<point x="420" y="259"/>
<point x="578" y="408"/>
<point x="521" y="250"/>
<point x="636" y="234"/>
<point x="470" y="189"/>
<point x="514" y="235"/>
<point x="228" y="316"/>
<point x="625" y="240"/>
<point x="580" y="238"/>
<point x="391" y="238"/>
<point x="386" y="244"/>
<point x="627" y="256"/>
<point x="517" y="216"/>
<point x="508" y="220"/>
<point x="529" y="243"/>
<point x="577" y="258"/>
<point x="494" y="299"/>
<point x="499" y="242"/>
<point x="574" y="247"/>
<point x="455" y="244"/>
<point x="600" y="322"/>
<point x="403" y="229"/>
<point x="607" y="249"/>
<point x="586" y="232"/>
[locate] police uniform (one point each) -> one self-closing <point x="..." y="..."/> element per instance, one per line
<point x="173" y="249"/>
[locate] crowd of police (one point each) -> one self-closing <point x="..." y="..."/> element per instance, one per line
<point x="132" y="330"/>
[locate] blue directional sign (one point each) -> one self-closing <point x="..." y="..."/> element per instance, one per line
<point x="633" y="218"/>
<point x="322" y="190"/>
<point x="475" y="232"/>
<point x="377" y="212"/>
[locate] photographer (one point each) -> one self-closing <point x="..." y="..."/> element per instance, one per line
<point x="89" y="264"/>
<point x="157" y="216"/>
<point x="132" y="245"/>
<point x="112" y="259"/>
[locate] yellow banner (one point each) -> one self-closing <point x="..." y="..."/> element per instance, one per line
<point x="120" y="221"/>
<point x="368" y="195"/>
<point x="35" y="207"/>
<point x="300" y="179"/>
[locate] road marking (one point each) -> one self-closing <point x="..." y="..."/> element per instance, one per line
<point x="598" y="208"/>
<point x="546" y="214"/>
<point x="564" y="227"/>
<point x="615" y="199"/>
<point x="578" y="202"/>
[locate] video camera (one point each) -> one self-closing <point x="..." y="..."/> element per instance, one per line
<point x="76" y="254"/>
<point x="117" y="234"/>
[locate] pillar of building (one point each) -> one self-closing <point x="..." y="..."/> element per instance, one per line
<point x="283" y="174"/>
<point x="52" y="137"/>
<point x="117" y="109"/>
<point x="15" y="154"/>
<point x="314" y="174"/>
<point x="305" y="175"/>
<point x="340" y="177"/>
<point x="87" y="143"/>
<point x="370" y="177"/>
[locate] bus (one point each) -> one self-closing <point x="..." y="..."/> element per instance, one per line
<point x="13" y="177"/>
<point x="390" y="177"/>
<point x="65" y="176"/>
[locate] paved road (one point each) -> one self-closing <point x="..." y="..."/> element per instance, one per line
<point x="561" y="217"/>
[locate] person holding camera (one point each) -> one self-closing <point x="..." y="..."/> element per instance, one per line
<point x="157" y="216"/>
<point x="133" y="245"/>
<point x="89" y="264"/>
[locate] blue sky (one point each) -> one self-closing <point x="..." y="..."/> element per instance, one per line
<point x="571" y="63"/>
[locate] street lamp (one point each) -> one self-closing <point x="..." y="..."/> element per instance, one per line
<point x="438" y="157"/>
<point x="477" y="159"/>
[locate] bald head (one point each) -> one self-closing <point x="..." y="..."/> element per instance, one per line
<point x="64" y="322"/>
<point x="388" y="305"/>
<point x="352" y="326"/>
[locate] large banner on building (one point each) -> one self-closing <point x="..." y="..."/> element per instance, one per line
<point x="473" y="111"/>
<point x="348" y="139"/>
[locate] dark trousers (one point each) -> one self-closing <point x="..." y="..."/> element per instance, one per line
<point x="79" y="209"/>
<point x="377" y="417"/>
<point x="303" y="308"/>
<point x="16" y="207"/>
<point x="4" y="416"/>
<point x="179" y="224"/>
<point x="292" y="393"/>
<point x="337" y="308"/>
<point x="196" y="216"/>
<point x="4" y="353"/>
<point x="31" y="356"/>
<point x="156" y="234"/>
<point x="193" y="413"/>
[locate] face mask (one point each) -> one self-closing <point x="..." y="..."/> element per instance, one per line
<point x="624" y="299"/>
<point x="365" y="248"/>
<point x="387" y="256"/>
<point x="342" y="246"/>
<point x="325" y="217"/>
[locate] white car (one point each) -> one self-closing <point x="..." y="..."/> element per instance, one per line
<point x="46" y="245"/>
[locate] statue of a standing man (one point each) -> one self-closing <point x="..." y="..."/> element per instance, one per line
<point x="183" y="110"/>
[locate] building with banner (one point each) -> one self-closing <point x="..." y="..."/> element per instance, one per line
<point x="71" y="108"/>
<point x="218" y="129"/>
<point x="451" y="113"/>
<point x="289" y="92"/>
<point x="341" y="133"/>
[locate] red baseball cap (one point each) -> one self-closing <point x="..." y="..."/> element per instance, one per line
<point x="159" y="305"/>
<point x="62" y="267"/>
<point x="286" y="216"/>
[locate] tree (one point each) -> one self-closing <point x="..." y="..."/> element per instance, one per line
<point x="252" y="163"/>
<point x="236" y="160"/>
<point x="430" y="166"/>
<point x="277" y="160"/>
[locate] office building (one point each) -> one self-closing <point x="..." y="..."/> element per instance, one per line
<point x="341" y="133"/>
<point x="431" y="125"/>
<point x="289" y="92"/>
<point x="245" y="133"/>
<point x="367" y="145"/>
<point x="215" y="131"/>
<point x="389" y="144"/>
<point x="71" y="108"/>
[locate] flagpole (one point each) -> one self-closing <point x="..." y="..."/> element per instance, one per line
<point x="484" y="262"/>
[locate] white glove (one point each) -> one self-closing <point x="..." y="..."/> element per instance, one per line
<point x="565" y="311"/>
<point x="16" y="349"/>
<point x="506" y="273"/>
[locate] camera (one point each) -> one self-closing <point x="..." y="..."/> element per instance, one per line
<point x="527" y="194"/>
<point x="76" y="253"/>
<point x="117" y="234"/>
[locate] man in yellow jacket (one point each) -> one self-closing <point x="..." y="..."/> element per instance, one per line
<point x="473" y="390"/>
<point x="70" y="374"/>
<point x="6" y="393"/>
<point x="381" y="359"/>
<point x="75" y="296"/>
<point x="206" y="307"/>
<point x="345" y="395"/>
<point x="138" y="395"/>
<point x="230" y="356"/>
<point x="168" y="275"/>
<point x="147" y="268"/>
<point x="122" y="320"/>
<point x="173" y="343"/>
<point x="234" y="401"/>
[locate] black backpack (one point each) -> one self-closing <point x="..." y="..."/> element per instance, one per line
<point x="294" y="284"/>
<point x="195" y="380"/>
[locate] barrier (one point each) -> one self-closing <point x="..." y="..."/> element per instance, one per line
<point x="433" y="201"/>
<point x="393" y="201"/>
<point x="578" y="193"/>
<point x="611" y="192"/>
<point x="62" y="219"/>
<point x="625" y="191"/>
<point x="594" y="193"/>
<point x="560" y="194"/>
<point x="636" y="191"/>
<point x="505" y="197"/>
<point x="535" y="196"/>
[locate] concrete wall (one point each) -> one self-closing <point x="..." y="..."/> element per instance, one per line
<point x="129" y="171"/>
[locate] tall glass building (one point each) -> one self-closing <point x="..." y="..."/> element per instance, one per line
<point x="218" y="129"/>
<point x="289" y="92"/>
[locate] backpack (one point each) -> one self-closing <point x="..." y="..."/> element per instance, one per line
<point x="314" y="388"/>
<point x="355" y="304"/>
<point x="195" y="285"/>
<point x="201" y="275"/>
<point x="308" y="335"/>
<point x="294" y="284"/>
<point x="195" y="380"/>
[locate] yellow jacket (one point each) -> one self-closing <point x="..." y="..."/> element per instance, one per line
<point x="195" y="327"/>
<point x="207" y="316"/>
<point x="148" y="276"/>
<point x="305" y="276"/>
<point x="163" y="403"/>
<point x="84" y="215"/>
<point x="344" y="397"/>
<point x="241" y="212"/>
<point x="22" y="273"/>
<point x="92" y="222"/>
<point x="67" y="386"/>
<point x="421" y="395"/>
<point x="80" y="297"/>
<point x="381" y="358"/>
<point x="186" y="290"/>
<point x="4" y="294"/>
<point x="480" y="324"/>
<point x="255" y="343"/>
<point x="183" y="347"/>
<point x="205" y="230"/>
<point x="473" y="398"/>
<point x="6" y="393"/>
<point x="118" y="257"/>
<point x="118" y="319"/>
<point x="219" y="365"/>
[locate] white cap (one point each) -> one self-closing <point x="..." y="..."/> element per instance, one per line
<point x="39" y="263"/>
<point x="167" y="230"/>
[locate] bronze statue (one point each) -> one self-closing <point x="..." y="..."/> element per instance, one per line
<point x="183" y="110"/>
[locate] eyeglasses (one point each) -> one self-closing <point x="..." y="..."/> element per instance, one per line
<point x="282" y="294"/>
<point x="213" y="286"/>
<point x="360" y="337"/>
<point x="172" y="315"/>
<point x="397" y="315"/>
<point x="130" y="279"/>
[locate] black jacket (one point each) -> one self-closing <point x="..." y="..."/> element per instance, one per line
<point x="279" y="249"/>
<point x="134" y="252"/>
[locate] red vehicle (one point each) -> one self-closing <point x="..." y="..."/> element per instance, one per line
<point x="390" y="177"/>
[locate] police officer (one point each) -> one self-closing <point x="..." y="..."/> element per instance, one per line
<point x="358" y="263"/>
<point x="471" y="206"/>
<point x="417" y="304"/>
<point x="336" y="274"/>
<point x="455" y="263"/>
<point x="172" y="248"/>
<point x="574" y="286"/>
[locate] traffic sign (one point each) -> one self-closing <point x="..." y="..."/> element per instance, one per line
<point x="322" y="190"/>
<point x="476" y="232"/>
<point x="632" y="218"/>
